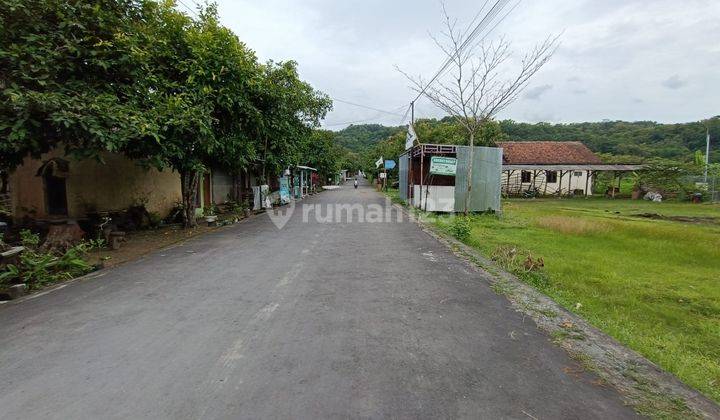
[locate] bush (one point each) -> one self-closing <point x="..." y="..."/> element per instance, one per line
<point x="461" y="228"/>
<point x="38" y="268"/>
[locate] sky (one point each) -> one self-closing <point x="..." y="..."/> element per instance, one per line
<point x="627" y="60"/>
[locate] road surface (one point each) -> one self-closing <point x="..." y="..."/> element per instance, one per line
<point x="314" y="320"/>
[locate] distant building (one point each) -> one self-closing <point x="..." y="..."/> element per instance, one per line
<point x="551" y="168"/>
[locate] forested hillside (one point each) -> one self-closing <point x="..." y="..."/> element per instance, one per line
<point x="359" y="138"/>
<point x="634" y="141"/>
<point x="642" y="139"/>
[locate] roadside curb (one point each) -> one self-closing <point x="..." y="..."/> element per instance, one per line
<point x="642" y="384"/>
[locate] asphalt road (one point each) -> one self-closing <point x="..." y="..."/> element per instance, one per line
<point x="315" y="320"/>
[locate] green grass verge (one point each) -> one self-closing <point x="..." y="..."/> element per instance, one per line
<point x="654" y="285"/>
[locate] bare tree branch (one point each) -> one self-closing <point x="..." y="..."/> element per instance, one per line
<point x="472" y="86"/>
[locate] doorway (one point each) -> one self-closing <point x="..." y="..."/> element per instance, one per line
<point x="56" y="195"/>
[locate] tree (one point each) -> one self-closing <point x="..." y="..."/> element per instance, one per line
<point x="68" y="73"/>
<point x="289" y="110"/>
<point x="474" y="90"/>
<point x="323" y="154"/>
<point x="198" y="89"/>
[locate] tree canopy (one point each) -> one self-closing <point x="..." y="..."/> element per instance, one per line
<point x="142" y="78"/>
<point x="68" y="75"/>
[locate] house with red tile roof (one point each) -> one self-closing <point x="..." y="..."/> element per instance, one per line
<point x="560" y="168"/>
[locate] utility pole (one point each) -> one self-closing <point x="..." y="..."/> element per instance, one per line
<point x="707" y="150"/>
<point x="412" y="113"/>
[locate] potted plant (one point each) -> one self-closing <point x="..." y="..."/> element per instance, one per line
<point x="210" y="215"/>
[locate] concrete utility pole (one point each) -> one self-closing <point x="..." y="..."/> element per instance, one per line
<point x="707" y="149"/>
<point x="412" y="113"/>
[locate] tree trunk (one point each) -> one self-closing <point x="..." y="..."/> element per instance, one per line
<point x="469" y="172"/>
<point x="190" y="181"/>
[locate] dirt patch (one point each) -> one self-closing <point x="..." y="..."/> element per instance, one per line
<point x="684" y="219"/>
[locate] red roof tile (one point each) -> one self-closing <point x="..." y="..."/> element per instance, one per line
<point x="547" y="153"/>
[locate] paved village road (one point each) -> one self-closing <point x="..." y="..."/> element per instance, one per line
<point x="316" y="320"/>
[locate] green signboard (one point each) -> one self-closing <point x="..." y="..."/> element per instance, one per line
<point x="443" y="166"/>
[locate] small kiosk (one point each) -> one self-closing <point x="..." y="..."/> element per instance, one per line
<point x="433" y="177"/>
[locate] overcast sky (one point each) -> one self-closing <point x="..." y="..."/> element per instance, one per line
<point x="619" y="59"/>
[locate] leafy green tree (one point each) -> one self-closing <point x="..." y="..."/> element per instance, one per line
<point x="289" y="110"/>
<point x="322" y="153"/>
<point x="68" y="74"/>
<point x="198" y="88"/>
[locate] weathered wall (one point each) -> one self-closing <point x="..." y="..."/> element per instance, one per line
<point x="222" y="186"/>
<point x="114" y="185"/>
<point x="576" y="181"/>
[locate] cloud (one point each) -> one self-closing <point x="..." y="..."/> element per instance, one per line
<point x="674" y="82"/>
<point x="536" y="92"/>
<point x="615" y="50"/>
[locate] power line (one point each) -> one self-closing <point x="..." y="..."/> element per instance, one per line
<point x="190" y="9"/>
<point x="375" y="117"/>
<point x="369" y="107"/>
<point x="491" y="14"/>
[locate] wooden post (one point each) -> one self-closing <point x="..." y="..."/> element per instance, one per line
<point x="570" y="175"/>
<point x="559" y="190"/>
<point x="509" y="174"/>
<point x="612" y="186"/>
<point x="546" y="182"/>
<point x="587" y="179"/>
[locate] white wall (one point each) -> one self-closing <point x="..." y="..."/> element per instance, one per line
<point x="439" y="198"/>
<point x="576" y="181"/>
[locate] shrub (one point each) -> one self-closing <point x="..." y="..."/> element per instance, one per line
<point x="460" y="228"/>
<point x="37" y="268"/>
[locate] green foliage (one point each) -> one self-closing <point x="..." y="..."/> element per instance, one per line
<point x="29" y="239"/>
<point x="641" y="139"/>
<point x="140" y="77"/>
<point x="667" y="177"/>
<point x="360" y="138"/>
<point x="68" y="73"/>
<point x="460" y="227"/>
<point x="38" y="268"/>
<point x="324" y="154"/>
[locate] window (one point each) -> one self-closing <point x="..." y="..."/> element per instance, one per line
<point x="525" y="176"/>
<point x="577" y="173"/>
<point x="551" y="177"/>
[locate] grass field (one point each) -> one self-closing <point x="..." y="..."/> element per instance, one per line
<point x="652" y="283"/>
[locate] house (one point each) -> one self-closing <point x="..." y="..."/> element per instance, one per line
<point x="58" y="187"/>
<point x="552" y="168"/>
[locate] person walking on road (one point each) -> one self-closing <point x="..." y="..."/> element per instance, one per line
<point x="356" y="183"/>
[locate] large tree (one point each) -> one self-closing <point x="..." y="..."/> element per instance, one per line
<point x="290" y="109"/>
<point x="198" y="88"/>
<point x="68" y="73"/>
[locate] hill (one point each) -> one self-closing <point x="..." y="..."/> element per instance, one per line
<point x="641" y="139"/>
<point x="360" y="138"/>
<point x="631" y="140"/>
